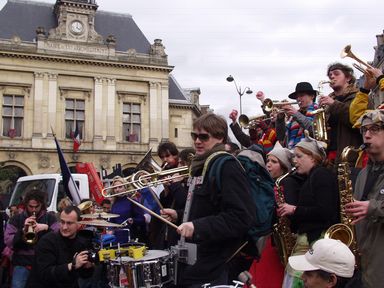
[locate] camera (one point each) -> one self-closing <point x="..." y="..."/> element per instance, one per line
<point x="93" y="256"/>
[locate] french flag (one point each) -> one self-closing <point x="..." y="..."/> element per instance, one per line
<point x="76" y="139"/>
<point x="69" y="183"/>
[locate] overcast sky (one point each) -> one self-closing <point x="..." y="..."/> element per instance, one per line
<point x="266" y="45"/>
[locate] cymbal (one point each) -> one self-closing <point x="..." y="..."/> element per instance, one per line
<point x="99" y="222"/>
<point x="101" y="215"/>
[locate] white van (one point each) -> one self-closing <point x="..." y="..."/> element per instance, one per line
<point x="52" y="184"/>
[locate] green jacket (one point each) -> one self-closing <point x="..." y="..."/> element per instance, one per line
<point x="370" y="231"/>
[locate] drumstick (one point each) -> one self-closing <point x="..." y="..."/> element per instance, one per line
<point x="152" y="213"/>
<point x="237" y="251"/>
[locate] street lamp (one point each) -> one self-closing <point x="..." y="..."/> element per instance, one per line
<point x="239" y="91"/>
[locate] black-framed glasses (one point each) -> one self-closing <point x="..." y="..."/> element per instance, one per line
<point x="204" y="137"/>
<point x="374" y="129"/>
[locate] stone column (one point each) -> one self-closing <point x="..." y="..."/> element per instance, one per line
<point x="98" y="114"/>
<point x="154" y="121"/>
<point x="111" y="131"/>
<point x="38" y="106"/>
<point x="52" y="102"/>
<point x="164" y="112"/>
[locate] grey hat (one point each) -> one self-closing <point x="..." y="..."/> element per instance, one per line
<point x="283" y="154"/>
<point x="310" y="144"/>
<point x="370" y="117"/>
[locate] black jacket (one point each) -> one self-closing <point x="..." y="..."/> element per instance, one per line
<point x="318" y="205"/>
<point x="53" y="253"/>
<point x="221" y="220"/>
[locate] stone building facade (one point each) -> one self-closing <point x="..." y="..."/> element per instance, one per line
<point x="68" y="67"/>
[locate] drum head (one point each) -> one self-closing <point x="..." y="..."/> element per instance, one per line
<point x="151" y="255"/>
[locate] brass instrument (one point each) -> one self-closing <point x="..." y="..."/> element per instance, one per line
<point x="85" y="205"/>
<point x="344" y="231"/>
<point x="251" y="122"/>
<point x="319" y="125"/>
<point x="30" y="237"/>
<point x="347" y="52"/>
<point x="269" y="105"/>
<point x="282" y="234"/>
<point x="143" y="179"/>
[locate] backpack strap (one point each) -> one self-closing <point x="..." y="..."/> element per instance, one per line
<point x="215" y="161"/>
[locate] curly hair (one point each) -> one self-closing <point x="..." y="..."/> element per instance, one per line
<point x="37" y="195"/>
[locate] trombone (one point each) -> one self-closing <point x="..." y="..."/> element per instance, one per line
<point x="347" y="52"/>
<point x="143" y="179"/>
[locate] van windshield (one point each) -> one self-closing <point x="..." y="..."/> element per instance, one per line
<point x="45" y="185"/>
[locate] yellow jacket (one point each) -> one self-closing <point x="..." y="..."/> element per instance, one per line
<point x="361" y="102"/>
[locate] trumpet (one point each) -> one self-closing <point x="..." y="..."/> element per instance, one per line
<point x="251" y="122"/>
<point x="347" y="52"/>
<point x="30" y="236"/>
<point x="143" y="179"/>
<point x="269" y="105"/>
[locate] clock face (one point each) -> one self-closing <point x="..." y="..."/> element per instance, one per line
<point x="77" y="27"/>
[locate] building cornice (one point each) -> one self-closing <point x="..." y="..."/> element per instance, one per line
<point x="83" y="61"/>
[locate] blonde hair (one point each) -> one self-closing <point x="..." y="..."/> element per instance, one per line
<point x="63" y="203"/>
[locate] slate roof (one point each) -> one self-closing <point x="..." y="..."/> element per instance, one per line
<point x="35" y="14"/>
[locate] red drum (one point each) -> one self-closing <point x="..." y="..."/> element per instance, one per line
<point x="153" y="270"/>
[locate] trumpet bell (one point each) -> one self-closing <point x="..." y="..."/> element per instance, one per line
<point x="250" y="122"/>
<point x="347" y="52"/>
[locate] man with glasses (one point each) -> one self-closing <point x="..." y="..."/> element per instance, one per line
<point x="368" y="208"/>
<point x="33" y="219"/>
<point x="216" y="222"/>
<point x="62" y="257"/>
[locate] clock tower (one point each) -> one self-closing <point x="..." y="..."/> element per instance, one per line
<point x="76" y="21"/>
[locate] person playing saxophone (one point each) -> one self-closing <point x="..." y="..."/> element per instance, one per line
<point x="368" y="207"/>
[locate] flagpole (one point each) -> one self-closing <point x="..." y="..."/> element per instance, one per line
<point x="70" y="186"/>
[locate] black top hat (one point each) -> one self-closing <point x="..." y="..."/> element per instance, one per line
<point x="302" y="87"/>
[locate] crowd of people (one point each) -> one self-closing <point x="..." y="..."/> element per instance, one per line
<point x="208" y="218"/>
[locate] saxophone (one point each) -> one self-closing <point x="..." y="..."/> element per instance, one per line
<point x="283" y="237"/>
<point x="345" y="231"/>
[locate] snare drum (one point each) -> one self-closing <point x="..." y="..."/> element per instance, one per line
<point x="153" y="270"/>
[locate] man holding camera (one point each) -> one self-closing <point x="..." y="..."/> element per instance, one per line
<point x="62" y="257"/>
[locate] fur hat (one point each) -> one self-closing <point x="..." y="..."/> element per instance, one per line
<point x="370" y="117"/>
<point x="283" y="154"/>
<point x="310" y="144"/>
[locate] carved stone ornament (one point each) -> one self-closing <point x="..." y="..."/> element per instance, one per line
<point x="75" y="157"/>
<point x="105" y="161"/>
<point x="157" y="48"/>
<point x="12" y="155"/>
<point x="16" y="40"/>
<point x="44" y="161"/>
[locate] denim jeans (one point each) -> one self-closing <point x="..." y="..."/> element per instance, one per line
<point x="19" y="277"/>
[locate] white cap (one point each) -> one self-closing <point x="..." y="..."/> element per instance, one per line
<point x="328" y="255"/>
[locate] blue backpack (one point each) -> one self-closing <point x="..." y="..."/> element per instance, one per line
<point x="261" y="187"/>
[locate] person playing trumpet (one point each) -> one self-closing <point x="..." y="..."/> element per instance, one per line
<point x="361" y="102"/>
<point x="299" y="120"/>
<point x="34" y="216"/>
